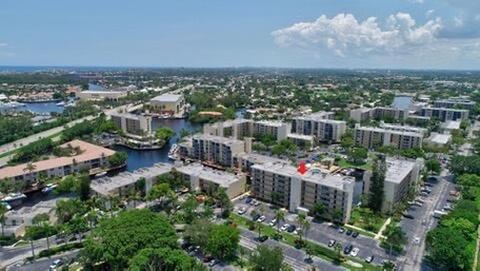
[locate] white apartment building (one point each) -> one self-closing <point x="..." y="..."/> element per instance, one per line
<point x="444" y="114"/>
<point x="218" y="150"/>
<point x="320" y="126"/>
<point x="241" y="128"/>
<point x="362" y="114"/>
<point x="374" y="137"/>
<point x="401" y="175"/>
<point x="281" y="184"/>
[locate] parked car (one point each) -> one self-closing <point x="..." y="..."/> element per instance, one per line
<point x="213" y="262"/>
<point x="55" y="264"/>
<point x="256" y="203"/>
<point x="248" y="200"/>
<point x="256" y="217"/>
<point x="297" y="230"/>
<point x="207" y="258"/>
<point x="291" y="228"/>
<point x="261" y="218"/>
<point x="355" y="234"/>
<point x="285" y="227"/>
<point x="369" y="259"/>
<point x="347" y="249"/>
<point x="349" y="232"/>
<point x="263" y="238"/>
<point x="354" y="252"/>
<point x="273" y="222"/>
<point x="331" y="243"/>
<point x="341" y="230"/>
<point x="242" y="210"/>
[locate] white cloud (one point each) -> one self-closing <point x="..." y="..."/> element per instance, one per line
<point x="3" y="44"/>
<point x="429" y="13"/>
<point x="345" y="35"/>
<point x="416" y="1"/>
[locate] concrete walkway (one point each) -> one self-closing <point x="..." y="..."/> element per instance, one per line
<point x="384" y="226"/>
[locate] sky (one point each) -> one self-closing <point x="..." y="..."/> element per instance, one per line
<point x="392" y="34"/>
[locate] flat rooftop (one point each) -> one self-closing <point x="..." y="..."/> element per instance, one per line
<point x="256" y="158"/>
<point x="89" y="152"/>
<point x="105" y="186"/>
<point x="398" y="169"/>
<point x="218" y="139"/>
<point x="316" y="116"/>
<point x="220" y="177"/>
<point x="438" y="138"/>
<point x="451" y="125"/>
<point x="312" y="175"/>
<point x="385" y="130"/>
<point x="274" y="123"/>
<point x="300" y="136"/>
<point x="403" y="128"/>
<point x="169" y="98"/>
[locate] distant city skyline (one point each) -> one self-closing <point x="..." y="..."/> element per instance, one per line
<point x="351" y="34"/>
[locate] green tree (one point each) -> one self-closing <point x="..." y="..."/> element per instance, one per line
<point x="377" y="180"/>
<point x="3" y="211"/>
<point x="432" y="165"/>
<point x="164" y="133"/>
<point x="152" y="259"/>
<point x="83" y="187"/>
<point x="223" y="242"/>
<point x="395" y="238"/>
<point x="198" y="232"/>
<point x="67" y="209"/>
<point x="116" y="239"/>
<point x="280" y="217"/>
<point x="448" y="250"/>
<point x="357" y="155"/>
<point x="117" y="159"/>
<point x="318" y="210"/>
<point x="265" y="258"/>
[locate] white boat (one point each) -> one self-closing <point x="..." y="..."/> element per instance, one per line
<point x="172" y="152"/>
<point x="49" y="188"/>
<point x="101" y="174"/>
<point x="61" y="104"/>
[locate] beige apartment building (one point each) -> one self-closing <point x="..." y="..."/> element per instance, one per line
<point x="132" y="124"/>
<point x="207" y="180"/>
<point x="281" y="184"/>
<point x="90" y="157"/>
<point x="173" y="104"/>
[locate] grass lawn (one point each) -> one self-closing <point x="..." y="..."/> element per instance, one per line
<point x="366" y="219"/>
<point x="319" y="250"/>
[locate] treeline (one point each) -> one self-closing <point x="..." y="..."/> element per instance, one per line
<point x="42" y="78"/>
<point x="32" y="151"/>
<point x="451" y="245"/>
<point x="16" y="127"/>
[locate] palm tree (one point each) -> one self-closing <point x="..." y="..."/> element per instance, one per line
<point x="280" y="217"/>
<point x="301" y="221"/>
<point x="3" y="211"/>
<point x="259" y="228"/>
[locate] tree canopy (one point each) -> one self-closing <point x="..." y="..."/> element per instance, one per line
<point x="115" y="240"/>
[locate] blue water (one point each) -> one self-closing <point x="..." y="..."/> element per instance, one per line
<point x="402" y="102"/>
<point x="94" y="87"/>
<point x="138" y="159"/>
<point x="42" y="108"/>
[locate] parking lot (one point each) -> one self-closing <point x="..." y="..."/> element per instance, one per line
<point x="321" y="233"/>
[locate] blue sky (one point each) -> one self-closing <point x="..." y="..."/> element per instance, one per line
<point x="269" y="33"/>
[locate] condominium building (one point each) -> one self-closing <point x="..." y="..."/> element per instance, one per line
<point x="401" y="176"/>
<point x="374" y="137"/>
<point x="403" y="128"/>
<point x="173" y="104"/>
<point x="245" y="161"/>
<point x="282" y="185"/>
<point x="444" y="114"/>
<point x="124" y="183"/>
<point x="241" y="128"/>
<point x="217" y="150"/>
<point x="363" y="114"/>
<point x="320" y="126"/>
<point x="132" y="124"/>
<point x="89" y="157"/>
<point x="107" y="94"/>
<point x="207" y="180"/>
<point x="457" y="102"/>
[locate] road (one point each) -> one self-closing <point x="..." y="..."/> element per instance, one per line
<point x="423" y="222"/>
<point x="44" y="263"/>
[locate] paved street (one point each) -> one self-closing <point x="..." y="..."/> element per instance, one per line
<point x="44" y="263"/>
<point x="423" y="222"/>
<point x="322" y="233"/>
